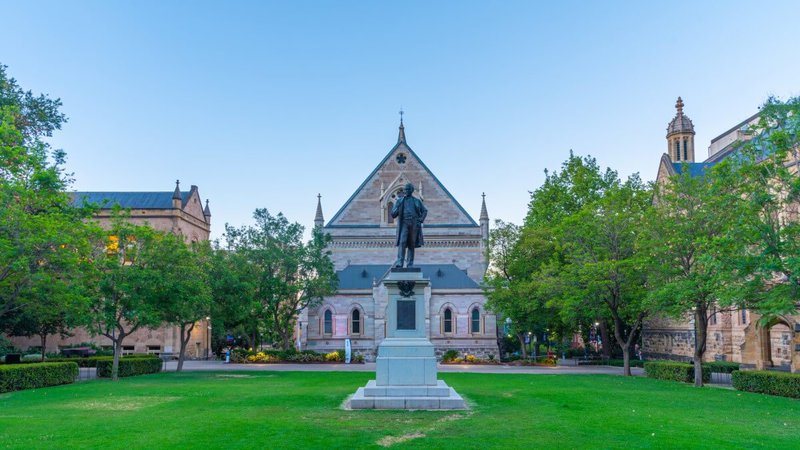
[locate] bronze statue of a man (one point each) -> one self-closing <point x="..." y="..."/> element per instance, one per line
<point x="410" y="214"/>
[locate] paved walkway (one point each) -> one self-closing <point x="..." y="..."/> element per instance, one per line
<point x="370" y="367"/>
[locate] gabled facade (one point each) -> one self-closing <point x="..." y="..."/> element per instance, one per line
<point x="363" y="247"/>
<point x="179" y="212"/>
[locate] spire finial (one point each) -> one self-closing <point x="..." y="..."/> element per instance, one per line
<point x="401" y="137"/>
<point x="484" y="213"/>
<point x="319" y="220"/>
<point x="176" y="195"/>
<point x="679" y="105"/>
<point x="207" y="210"/>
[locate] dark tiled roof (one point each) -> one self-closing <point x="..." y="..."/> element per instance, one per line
<point x="695" y="169"/>
<point x="442" y="276"/>
<point x="133" y="200"/>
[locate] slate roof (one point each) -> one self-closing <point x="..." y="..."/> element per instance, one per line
<point x="695" y="169"/>
<point x="133" y="200"/>
<point x="442" y="276"/>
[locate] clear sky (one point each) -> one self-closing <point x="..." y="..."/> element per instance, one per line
<point x="265" y="104"/>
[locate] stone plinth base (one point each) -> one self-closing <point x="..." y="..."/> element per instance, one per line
<point x="405" y="361"/>
<point x="406" y="379"/>
<point x="373" y="396"/>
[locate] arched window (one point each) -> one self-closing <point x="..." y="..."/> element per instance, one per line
<point x="327" y="322"/>
<point x="389" y="218"/>
<point x="744" y="317"/>
<point x="355" y="322"/>
<point x="447" y="321"/>
<point x="475" y="321"/>
<point x="677" y="150"/>
<point x="685" y="151"/>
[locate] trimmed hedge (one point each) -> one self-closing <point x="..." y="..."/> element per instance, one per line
<point x="772" y="383"/>
<point x="675" y="371"/>
<point x="621" y="362"/>
<point x="129" y="367"/>
<point x="722" y="366"/>
<point x="91" y="361"/>
<point x="15" y="377"/>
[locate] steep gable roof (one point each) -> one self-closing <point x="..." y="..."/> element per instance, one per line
<point x="449" y="210"/>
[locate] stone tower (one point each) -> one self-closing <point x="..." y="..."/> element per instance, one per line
<point x="680" y="136"/>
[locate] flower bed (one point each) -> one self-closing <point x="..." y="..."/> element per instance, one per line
<point x="242" y="356"/>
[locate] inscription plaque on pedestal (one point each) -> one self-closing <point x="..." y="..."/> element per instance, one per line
<point x="406" y="315"/>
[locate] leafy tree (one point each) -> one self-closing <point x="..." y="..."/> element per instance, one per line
<point x="182" y="291"/>
<point x="233" y="282"/>
<point x="524" y="278"/>
<point x="695" y="236"/>
<point x="284" y="273"/>
<point x="604" y="269"/>
<point x="767" y="177"/>
<point x="44" y="243"/>
<point x="131" y="291"/>
<point x="31" y="184"/>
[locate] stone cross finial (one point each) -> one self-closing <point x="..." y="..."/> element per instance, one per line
<point x="679" y="105"/>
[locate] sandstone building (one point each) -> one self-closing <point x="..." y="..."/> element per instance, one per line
<point x="733" y="335"/>
<point x="363" y="248"/>
<point x="179" y="212"/>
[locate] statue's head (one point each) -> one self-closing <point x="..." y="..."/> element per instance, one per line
<point x="409" y="189"/>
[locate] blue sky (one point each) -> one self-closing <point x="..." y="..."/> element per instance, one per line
<point x="265" y="104"/>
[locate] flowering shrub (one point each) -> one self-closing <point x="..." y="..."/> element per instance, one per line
<point x="336" y="356"/>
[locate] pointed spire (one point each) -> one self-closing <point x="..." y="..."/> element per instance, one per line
<point x="319" y="221"/>
<point x="401" y="137"/>
<point x="207" y="210"/>
<point x="484" y="213"/>
<point x="177" y="194"/>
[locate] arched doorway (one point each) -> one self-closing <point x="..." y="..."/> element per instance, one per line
<point x="777" y="344"/>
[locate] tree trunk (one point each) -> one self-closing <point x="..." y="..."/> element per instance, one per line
<point x="619" y="328"/>
<point x="626" y="360"/>
<point x="43" y="337"/>
<point x="700" y="336"/>
<point x="521" y="337"/>
<point x="186" y="335"/>
<point x="117" y="355"/>
<point x="605" y="338"/>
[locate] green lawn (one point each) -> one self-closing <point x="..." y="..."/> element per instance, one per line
<point x="301" y="410"/>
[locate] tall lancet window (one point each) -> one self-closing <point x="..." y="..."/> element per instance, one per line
<point x="389" y="218"/>
<point x="677" y="150"/>
<point x="447" y="325"/>
<point x="475" y="321"/>
<point x="685" y="151"/>
<point x="327" y="322"/>
<point x="355" y="322"/>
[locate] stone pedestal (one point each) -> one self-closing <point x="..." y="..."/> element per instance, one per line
<point x="406" y="365"/>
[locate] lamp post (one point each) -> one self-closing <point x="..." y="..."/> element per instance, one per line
<point x="208" y="338"/>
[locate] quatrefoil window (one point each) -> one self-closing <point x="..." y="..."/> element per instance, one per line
<point x="401" y="158"/>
